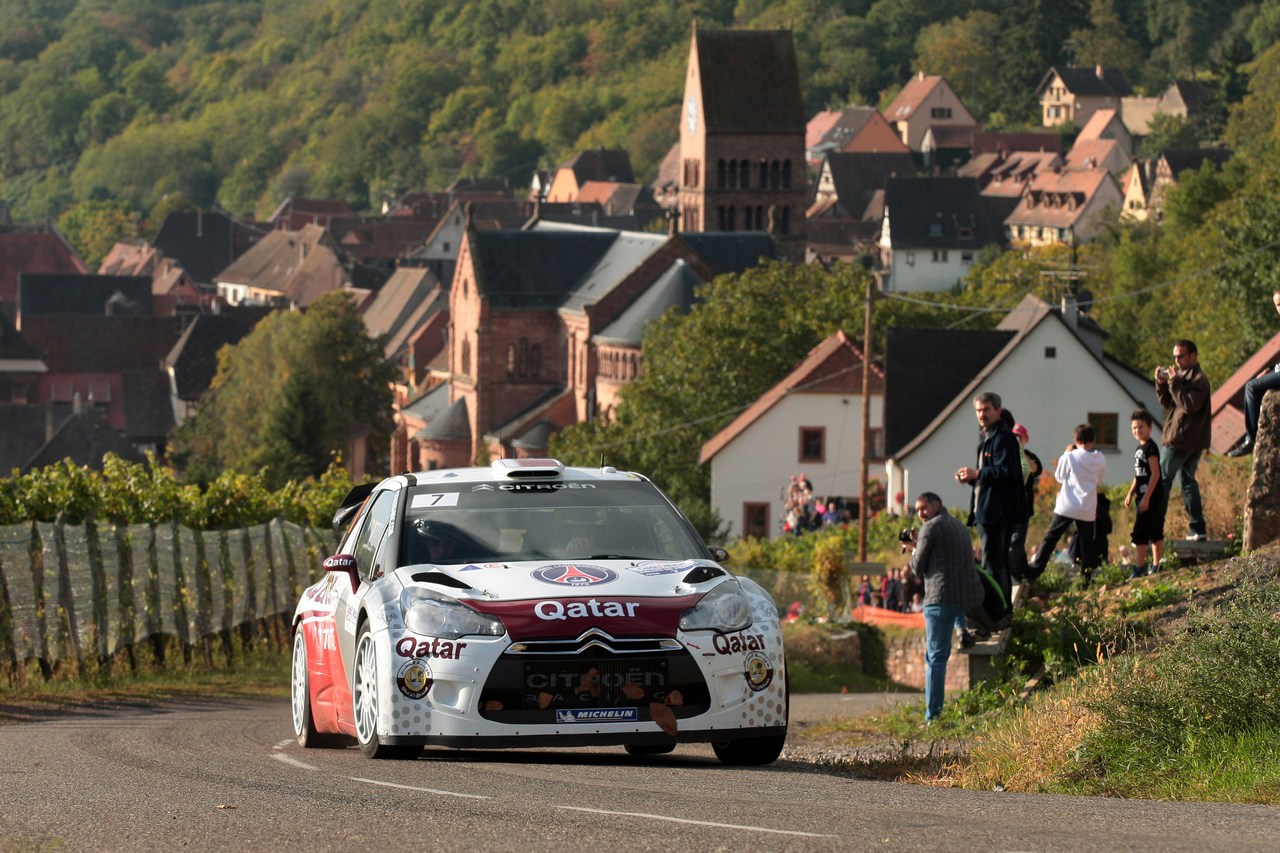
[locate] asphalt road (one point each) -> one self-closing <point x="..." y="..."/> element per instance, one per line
<point x="228" y="776"/>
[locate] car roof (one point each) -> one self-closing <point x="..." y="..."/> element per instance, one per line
<point x="517" y="470"/>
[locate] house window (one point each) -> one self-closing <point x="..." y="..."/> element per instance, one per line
<point x="1105" y="428"/>
<point x="911" y="259"/>
<point x="935" y="229"/>
<point x="966" y="232"/>
<point x="966" y="258"/>
<point x="939" y="256"/>
<point x="813" y="444"/>
<point x="755" y="520"/>
<point x="940" y="112"/>
<point x="1050" y="352"/>
<point x="875" y="443"/>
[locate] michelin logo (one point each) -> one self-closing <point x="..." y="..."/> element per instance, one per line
<point x="589" y="715"/>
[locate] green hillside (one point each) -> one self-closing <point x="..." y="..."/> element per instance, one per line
<point x="242" y="102"/>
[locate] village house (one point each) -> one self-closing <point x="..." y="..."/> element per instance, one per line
<point x="810" y="421"/>
<point x="284" y="269"/>
<point x="850" y="130"/>
<point x="926" y="101"/>
<point x="1069" y="94"/>
<point x="1067" y="207"/>
<point x="1048" y="367"/>
<point x="932" y="231"/>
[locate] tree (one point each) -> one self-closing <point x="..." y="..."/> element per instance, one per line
<point x="1106" y="42"/>
<point x="966" y="52"/>
<point x="289" y="398"/>
<point x="93" y="227"/>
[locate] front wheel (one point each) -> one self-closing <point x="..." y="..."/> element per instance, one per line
<point x="304" y="726"/>
<point x="364" y="699"/>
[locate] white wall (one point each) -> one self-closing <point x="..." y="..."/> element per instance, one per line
<point x="916" y="270"/>
<point x="757" y="465"/>
<point x="1050" y="396"/>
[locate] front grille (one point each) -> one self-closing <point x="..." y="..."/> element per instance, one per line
<point x="530" y="688"/>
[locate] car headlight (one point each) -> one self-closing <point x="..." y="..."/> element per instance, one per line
<point x="726" y="608"/>
<point x="435" y="615"/>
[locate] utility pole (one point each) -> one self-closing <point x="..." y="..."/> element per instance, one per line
<point x="866" y="421"/>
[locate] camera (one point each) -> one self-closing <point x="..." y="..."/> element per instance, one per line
<point x="1162" y="373"/>
<point x="907" y="536"/>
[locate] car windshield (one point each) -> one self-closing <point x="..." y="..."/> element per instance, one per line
<point x="506" y="522"/>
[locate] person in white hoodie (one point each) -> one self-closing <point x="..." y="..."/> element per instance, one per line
<point x="1080" y="470"/>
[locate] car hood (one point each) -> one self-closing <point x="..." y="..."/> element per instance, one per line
<point x="573" y="579"/>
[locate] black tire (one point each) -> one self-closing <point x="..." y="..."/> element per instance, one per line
<point x="642" y="750"/>
<point x="364" y="700"/>
<point x="750" y="751"/>
<point x="304" y="726"/>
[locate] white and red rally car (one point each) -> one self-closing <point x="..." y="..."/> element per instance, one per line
<point x="530" y="604"/>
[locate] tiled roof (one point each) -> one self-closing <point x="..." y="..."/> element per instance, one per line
<point x="911" y="96"/>
<point x="84" y="344"/>
<point x="194" y="357"/>
<point x="1059" y="199"/>
<point x="84" y="439"/>
<point x="925" y="370"/>
<point x="858" y="175"/>
<point x="28" y="251"/>
<point x="92" y="295"/>
<point x="601" y="164"/>
<point x="1104" y="82"/>
<point x="936" y="213"/>
<point x="750" y="81"/>
<point x="205" y="243"/>
<point x="673" y="289"/>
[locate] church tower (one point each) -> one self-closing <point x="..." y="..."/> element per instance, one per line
<point x="742" y="136"/>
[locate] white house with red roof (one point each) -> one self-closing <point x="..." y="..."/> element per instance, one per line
<point x="810" y="422"/>
<point x="926" y="101"/>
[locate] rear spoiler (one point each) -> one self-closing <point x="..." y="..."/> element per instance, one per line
<point x="351" y="504"/>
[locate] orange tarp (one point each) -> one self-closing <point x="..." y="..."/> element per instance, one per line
<point x="880" y="616"/>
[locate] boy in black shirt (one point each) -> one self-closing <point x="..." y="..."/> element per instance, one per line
<point x="1148" y="524"/>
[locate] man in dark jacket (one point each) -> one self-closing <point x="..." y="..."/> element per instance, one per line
<point x="1184" y="392"/>
<point x="999" y="496"/>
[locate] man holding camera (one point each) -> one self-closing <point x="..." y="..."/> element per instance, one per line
<point x="941" y="556"/>
<point x="1183" y="391"/>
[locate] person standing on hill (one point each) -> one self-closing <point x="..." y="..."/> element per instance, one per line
<point x="996" y="505"/>
<point x="1184" y="392"/>
<point x="1148" y="523"/>
<point x="1080" y="470"/>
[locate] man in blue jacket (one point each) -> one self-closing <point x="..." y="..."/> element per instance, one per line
<point x="998" y="502"/>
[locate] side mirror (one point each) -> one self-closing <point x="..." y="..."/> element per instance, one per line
<point x="346" y="564"/>
<point x="718" y="554"/>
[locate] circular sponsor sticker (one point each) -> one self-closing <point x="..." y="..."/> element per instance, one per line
<point x="572" y="574"/>
<point x="414" y="678"/>
<point x="759" y="671"/>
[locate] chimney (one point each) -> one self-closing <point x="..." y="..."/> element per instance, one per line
<point x="1070" y="312"/>
<point x="199" y="222"/>
<point x="48" y="422"/>
<point x="1101" y="72"/>
<point x="75" y="403"/>
<point x="920" y="76"/>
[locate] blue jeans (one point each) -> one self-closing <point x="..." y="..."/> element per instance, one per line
<point x="938" y="622"/>
<point x="1183" y="463"/>
<point x="1254" y="391"/>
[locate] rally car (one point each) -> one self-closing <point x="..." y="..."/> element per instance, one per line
<point x="531" y="604"/>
